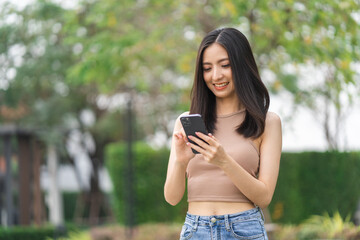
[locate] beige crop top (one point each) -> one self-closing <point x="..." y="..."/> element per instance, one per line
<point x="207" y="182"/>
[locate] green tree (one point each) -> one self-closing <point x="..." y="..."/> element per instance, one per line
<point x="35" y="93"/>
<point x="149" y="48"/>
<point x="57" y="63"/>
<point x="291" y="38"/>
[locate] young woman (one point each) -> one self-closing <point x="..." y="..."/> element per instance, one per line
<point x="235" y="172"/>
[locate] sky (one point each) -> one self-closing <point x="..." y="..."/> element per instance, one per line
<point x="304" y="132"/>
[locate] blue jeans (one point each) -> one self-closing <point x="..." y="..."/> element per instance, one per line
<point x="244" y="225"/>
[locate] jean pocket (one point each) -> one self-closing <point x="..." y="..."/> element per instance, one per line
<point x="186" y="232"/>
<point x="249" y="229"/>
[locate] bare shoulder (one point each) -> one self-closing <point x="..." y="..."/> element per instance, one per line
<point x="272" y="123"/>
<point x="272" y="135"/>
<point x="272" y="118"/>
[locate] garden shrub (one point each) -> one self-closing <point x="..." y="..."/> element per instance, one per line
<point x="28" y="233"/>
<point x="316" y="183"/>
<point x="150" y="168"/>
<point x="309" y="183"/>
<point x="319" y="227"/>
<point x="69" y="201"/>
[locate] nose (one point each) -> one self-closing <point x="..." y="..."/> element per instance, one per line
<point x="217" y="74"/>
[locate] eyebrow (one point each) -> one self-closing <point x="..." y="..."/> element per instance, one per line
<point x="221" y="60"/>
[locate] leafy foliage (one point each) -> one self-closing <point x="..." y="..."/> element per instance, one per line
<point x="328" y="227"/>
<point x="37" y="96"/>
<point x="312" y="183"/>
<point x="150" y="171"/>
<point x="77" y="235"/>
<point x="309" y="183"/>
<point x="35" y="53"/>
<point x="130" y="48"/>
<point x="319" y="227"/>
<point x="31" y="233"/>
<point x="147" y="49"/>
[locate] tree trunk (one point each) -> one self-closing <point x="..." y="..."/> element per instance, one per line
<point x="54" y="194"/>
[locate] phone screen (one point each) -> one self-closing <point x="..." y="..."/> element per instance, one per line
<point x="193" y="123"/>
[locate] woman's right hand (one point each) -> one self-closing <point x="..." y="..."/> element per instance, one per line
<point x="182" y="150"/>
<point x="180" y="156"/>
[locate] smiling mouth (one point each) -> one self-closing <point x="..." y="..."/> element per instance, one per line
<point x="220" y="85"/>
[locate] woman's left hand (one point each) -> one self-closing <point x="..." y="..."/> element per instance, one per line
<point x="211" y="149"/>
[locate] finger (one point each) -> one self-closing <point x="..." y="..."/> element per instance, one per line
<point x="200" y="142"/>
<point x="212" y="136"/>
<point x="207" y="155"/>
<point x="196" y="147"/>
<point x="180" y="137"/>
<point x="209" y="139"/>
<point x="185" y="138"/>
<point x="176" y="135"/>
<point x="179" y="134"/>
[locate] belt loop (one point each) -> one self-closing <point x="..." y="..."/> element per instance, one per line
<point x="227" y="225"/>
<point x="196" y="223"/>
<point x="262" y="214"/>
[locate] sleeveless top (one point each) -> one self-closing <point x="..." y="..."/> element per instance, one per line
<point x="207" y="182"/>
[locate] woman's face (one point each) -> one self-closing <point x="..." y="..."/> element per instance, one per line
<point x="217" y="71"/>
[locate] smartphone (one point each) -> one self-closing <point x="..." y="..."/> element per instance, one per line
<point x="193" y="123"/>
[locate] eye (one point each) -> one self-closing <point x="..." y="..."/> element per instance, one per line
<point x="226" y="65"/>
<point x="207" y="69"/>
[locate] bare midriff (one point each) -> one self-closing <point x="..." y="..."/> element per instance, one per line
<point x="218" y="208"/>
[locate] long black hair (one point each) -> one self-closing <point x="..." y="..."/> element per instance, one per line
<point x="249" y="88"/>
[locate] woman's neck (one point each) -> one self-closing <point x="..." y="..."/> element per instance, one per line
<point x="224" y="106"/>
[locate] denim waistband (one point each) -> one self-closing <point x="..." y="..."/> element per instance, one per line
<point x="197" y="220"/>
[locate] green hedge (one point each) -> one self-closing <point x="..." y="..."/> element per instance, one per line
<point x="150" y="172"/>
<point x="69" y="201"/>
<point x="28" y="233"/>
<point x="314" y="183"/>
<point x="309" y="183"/>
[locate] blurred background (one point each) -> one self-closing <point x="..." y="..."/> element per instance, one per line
<point x="89" y="94"/>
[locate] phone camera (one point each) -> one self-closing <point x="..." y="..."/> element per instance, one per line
<point x="186" y="122"/>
